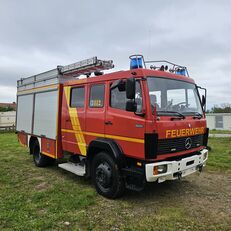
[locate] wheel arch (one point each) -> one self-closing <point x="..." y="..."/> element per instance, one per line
<point x="32" y="142"/>
<point x="109" y="146"/>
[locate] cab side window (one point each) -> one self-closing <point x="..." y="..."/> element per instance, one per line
<point x="77" y="97"/>
<point x="97" y="96"/>
<point x="118" y="97"/>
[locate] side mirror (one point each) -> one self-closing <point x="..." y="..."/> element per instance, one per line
<point x="131" y="105"/>
<point x="203" y="97"/>
<point x="203" y="101"/>
<point x="131" y="88"/>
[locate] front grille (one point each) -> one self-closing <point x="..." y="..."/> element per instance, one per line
<point x="178" y="144"/>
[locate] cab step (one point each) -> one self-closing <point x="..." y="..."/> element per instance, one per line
<point x="76" y="168"/>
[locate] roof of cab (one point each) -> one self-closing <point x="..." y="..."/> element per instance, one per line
<point x="140" y="72"/>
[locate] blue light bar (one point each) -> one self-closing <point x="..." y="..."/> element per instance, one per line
<point x="136" y="63"/>
<point x="181" y="72"/>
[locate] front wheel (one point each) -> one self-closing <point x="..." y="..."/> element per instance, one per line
<point x="40" y="160"/>
<point x="106" y="176"/>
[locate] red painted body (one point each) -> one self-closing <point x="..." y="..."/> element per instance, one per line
<point x="123" y="128"/>
<point x="76" y="128"/>
<point x="48" y="147"/>
<point x="22" y="138"/>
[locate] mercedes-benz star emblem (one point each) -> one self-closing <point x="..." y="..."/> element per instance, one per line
<point x="188" y="143"/>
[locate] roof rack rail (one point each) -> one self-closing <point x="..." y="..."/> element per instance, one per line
<point x="175" y="68"/>
<point x="137" y="61"/>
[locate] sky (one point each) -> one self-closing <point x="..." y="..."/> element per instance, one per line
<point x="38" y="35"/>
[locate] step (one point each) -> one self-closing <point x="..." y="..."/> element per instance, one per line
<point x="75" y="168"/>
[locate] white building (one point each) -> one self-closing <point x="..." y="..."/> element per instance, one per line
<point x="7" y="119"/>
<point x="219" y="121"/>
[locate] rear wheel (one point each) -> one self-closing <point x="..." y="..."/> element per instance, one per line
<point x="40" y="160"/>
<point x="106" y="176"/>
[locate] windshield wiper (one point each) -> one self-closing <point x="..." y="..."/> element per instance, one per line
<point x="180" y="116"/>
<point x="197" y="115"/>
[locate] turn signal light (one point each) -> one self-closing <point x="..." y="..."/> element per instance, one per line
<point x="155" y="170"/>
<point x="138" y="163"/>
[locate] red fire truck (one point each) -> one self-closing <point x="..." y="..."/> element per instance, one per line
<point x="121" y="129"/>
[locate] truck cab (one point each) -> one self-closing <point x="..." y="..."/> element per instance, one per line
<point x="126" y="128"/>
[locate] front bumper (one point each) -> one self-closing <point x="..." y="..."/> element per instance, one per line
<point x="176" y="169"/>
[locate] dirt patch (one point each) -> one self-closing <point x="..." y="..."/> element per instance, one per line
<point x="198" y="202"/>
<point x="209" y="196"/>
<point x="42" y="186"/>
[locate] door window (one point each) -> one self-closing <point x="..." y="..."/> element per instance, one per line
<point x="77" y="97"/>
<point x="138" y="97"/>
<point x="97" y="96"/>
<point x="118" y="97"/>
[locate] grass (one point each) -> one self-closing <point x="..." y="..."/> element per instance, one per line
<point x="34" y="198"/>
<point x="220" y="154"/>
<point x="214" y="131"/>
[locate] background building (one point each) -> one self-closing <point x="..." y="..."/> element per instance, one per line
<point x="7" y="119"/>
<point x="220" y="121"/>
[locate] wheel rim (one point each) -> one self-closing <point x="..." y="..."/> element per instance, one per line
<point x="104" y="176"/>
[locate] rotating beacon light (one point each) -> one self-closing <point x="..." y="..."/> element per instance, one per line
<point x="181" y="71"/>
<point x="136" y="61"/>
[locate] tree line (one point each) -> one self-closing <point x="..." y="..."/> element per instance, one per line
<point x="5" y="109"/>
<point x="223" y="108"/>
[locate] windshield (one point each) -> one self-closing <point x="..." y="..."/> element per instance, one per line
<point x="169" y="95"/>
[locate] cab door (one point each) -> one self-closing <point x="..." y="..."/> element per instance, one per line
<point x="126" y="128"/>
<point x="73" y="119"/>
<point x="95" y="113"/>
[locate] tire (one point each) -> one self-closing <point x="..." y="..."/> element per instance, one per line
<point x="40" y="160"/>
<point x="106" y="176"/>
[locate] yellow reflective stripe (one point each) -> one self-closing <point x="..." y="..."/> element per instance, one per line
<point x="50" y="87"/>
<point x="125" y="139"/>
<point x="48" y="154"/>
<point x="75" y="123"/>
<point x="108" y="136"/>
<point x="24" y="145"/>
<point x="94" y="134"/>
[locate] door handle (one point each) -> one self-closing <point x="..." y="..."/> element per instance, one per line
<point x="108" y="122"/>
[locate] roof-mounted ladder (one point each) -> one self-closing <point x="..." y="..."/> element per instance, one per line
<point x="86" y="67"/>
<point x="62" y="74"/>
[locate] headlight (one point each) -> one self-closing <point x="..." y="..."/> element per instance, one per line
<point x="160" y="169"/>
